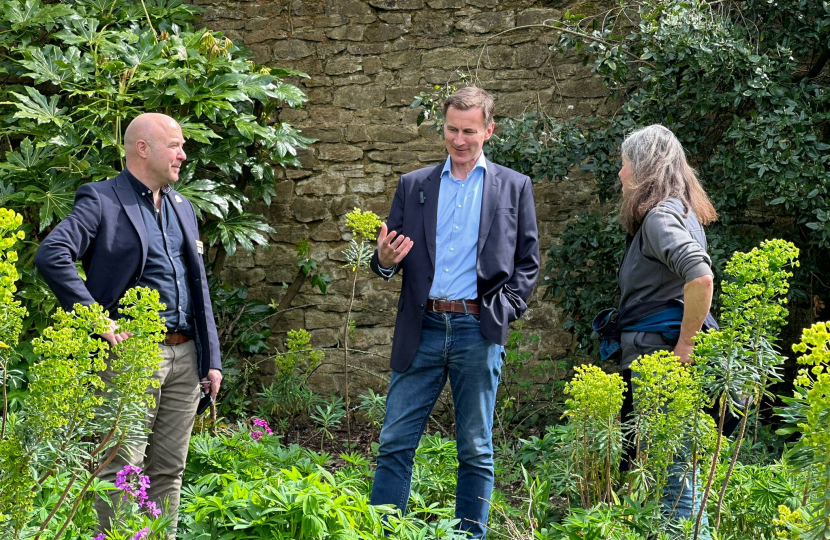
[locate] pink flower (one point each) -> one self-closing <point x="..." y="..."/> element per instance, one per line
<point x="263" y="424"/>
<point x="256" y="435"/>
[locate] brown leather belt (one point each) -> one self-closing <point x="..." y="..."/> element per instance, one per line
<point x="453" y="306"/>
<point x="174" y="338"/>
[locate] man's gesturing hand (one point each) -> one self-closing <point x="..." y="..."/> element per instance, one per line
<point x="392" y="247"/>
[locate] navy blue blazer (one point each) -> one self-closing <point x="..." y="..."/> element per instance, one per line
<point x="507" y="263"/>
<point x="106" y="232"/>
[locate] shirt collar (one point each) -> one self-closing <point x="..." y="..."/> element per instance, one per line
<point x="140" y="188"/>
<point x="480" y="162"/>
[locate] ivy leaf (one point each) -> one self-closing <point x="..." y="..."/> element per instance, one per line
<point x="38" y="108"/>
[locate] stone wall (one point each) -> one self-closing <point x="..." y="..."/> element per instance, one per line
<point x="366" y="61"/>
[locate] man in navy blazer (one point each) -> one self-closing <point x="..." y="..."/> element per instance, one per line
<point x="134" y="230"/>
<point x="464" y="235"/>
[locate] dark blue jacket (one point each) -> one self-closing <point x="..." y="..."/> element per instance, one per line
<point x="507" y="263"/>
<point x="105" y="231"/>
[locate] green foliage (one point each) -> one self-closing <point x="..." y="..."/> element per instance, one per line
<point x="811" y="411"/>
<point x="668" y="423"/>
<point x="263" y="490"/>
<point x="363" y="225"/>
<point x="81" y="70"/>
<point x="593" y="410"/>
<point x="328" y="416"/>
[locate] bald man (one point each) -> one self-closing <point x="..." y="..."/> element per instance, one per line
<point x="134" y="230"/>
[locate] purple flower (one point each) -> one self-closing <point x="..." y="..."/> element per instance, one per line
<point x="132" y="483"/>
<point x="142" y="534"/>
<point x="256" y="435"/>
<point x="152" y="509"/>
<point x="101" y="536"/>
<point x="263" y="424"/>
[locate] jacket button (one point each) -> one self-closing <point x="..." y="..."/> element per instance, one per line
<point x="420" y="306"/>
<point x="429" y="278"/>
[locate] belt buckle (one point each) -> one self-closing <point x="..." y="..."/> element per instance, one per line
<point x="436" y="308"/>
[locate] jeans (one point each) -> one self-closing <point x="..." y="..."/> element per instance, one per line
<point x="451" y="347"/>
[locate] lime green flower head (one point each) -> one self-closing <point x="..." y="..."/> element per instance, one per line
<point x="363" y="224"/>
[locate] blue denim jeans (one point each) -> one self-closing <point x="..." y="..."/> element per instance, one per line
<point x="451" y="347"/>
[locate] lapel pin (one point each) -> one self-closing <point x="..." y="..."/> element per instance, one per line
<point x="178" y="199"/>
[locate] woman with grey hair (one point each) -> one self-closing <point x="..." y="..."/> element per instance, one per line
<point x="665" y="277"/>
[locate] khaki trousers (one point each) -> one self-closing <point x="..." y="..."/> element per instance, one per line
<point x="161" y="454"/>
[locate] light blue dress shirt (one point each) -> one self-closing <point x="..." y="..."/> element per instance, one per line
<point x="456" y="238"/>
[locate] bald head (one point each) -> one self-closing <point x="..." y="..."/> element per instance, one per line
<point x="153" y="145"/>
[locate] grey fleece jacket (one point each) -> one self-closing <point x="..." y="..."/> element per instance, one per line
<point x="668" y="251"/>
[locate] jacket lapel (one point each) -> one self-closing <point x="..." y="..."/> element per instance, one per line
<point x="489" y="200"/>
<point x="431" y="187"/>
<point x="126" y="194"/>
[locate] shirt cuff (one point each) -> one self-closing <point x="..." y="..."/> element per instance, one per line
<point x="387" y="272"/>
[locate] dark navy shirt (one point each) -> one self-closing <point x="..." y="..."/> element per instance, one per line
<point x="166" y="267"/>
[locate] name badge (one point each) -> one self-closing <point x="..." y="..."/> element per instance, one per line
<point x="200" y="247"/>
<point x="178" y="200"/>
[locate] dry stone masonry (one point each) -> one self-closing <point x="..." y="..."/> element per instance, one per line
<point x="366" y="60"/>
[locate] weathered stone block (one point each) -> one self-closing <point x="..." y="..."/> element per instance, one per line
<point x="322" y="185"/>
<point x="395" y="17"/>
<point x="407" y="5"/>
<point x="291" y="233"/>
<point x="324" y="50"/>
<point x="499" y="57"/>
<point x="240" y="259"/>
<point x="346" y="170"/>
<point x="358" y="11"/>
<point x="246" y="277"/>
<point x="483" y="23"/>
<point x="374" y="184"/>
<point x="514" y="74"/>
<point x="404" y="43"/>
<point x="328" y="231"/>
<point x="384" y="32"/>
<point x="446" y="4"/>
<point x="321" y="95"/>
<point x="402" y="95"/>
<point x="346" y="204"/>
<point x="266" y="11"/>
<point x="324" y="337"/>
<point x="433" y="43"/>
<point x="394" y="156"/>
<point x="368" y="96"/>
<point x="339" y="152"/>
<point x="484" y="3"/>
<point x="431" y="24"/>
<point x="393" y="134"/>
<point x="331" y="20"/>
<point x="292" y="49"/>
<point x="398" y="60"/>
<point x="354" y="78"/>
<point x="537" y="16"/>
<point x="310" y="34"/>
<point x="357" y="133"/>
<point x="329" y="115"/>
<point x="324" y="134"/>
<point x="315" y="319"/>
<point x="532" y="55"/>
<point x="372" y="65"/>
<point x="351" y="32"/>
<point x="449" y="58"/>
<point x="308" y="209"/>
<point x="343" y="64"/>
<point x="362" y="49"/>
<point x="275" y="255"/>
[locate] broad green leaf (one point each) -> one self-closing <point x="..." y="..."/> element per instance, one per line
<point x="36" y="107"/>
<point x="55" y="201"/>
